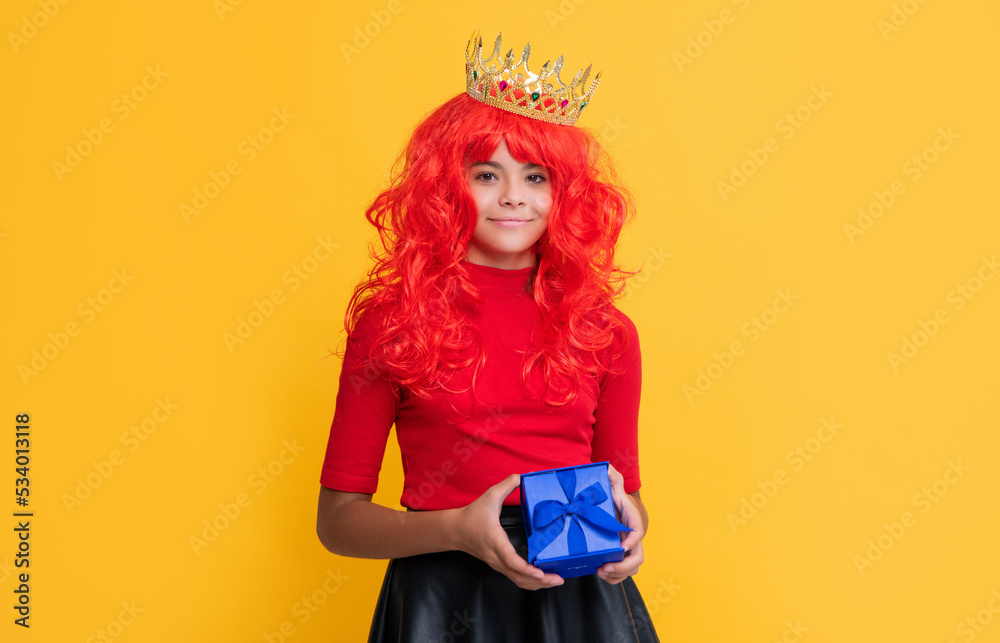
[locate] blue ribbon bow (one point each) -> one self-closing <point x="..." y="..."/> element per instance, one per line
<point x="549" y="516"/>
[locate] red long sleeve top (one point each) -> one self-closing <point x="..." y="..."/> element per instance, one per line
<point x="455" y="446"/>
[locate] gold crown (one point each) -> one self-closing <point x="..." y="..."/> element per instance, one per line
<point x="515" y="88"/>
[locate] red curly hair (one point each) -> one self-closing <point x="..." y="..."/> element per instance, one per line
<point x="425" y="220"/>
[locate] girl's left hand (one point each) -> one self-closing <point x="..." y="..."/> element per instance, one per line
<point x="630" y="511"/>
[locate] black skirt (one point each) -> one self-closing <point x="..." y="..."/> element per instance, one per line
<point x="452" y="596"/>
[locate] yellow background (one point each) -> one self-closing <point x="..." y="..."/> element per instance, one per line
<point x="713" y="260"/>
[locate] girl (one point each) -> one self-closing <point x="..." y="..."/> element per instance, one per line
<point x="487" y="334"/>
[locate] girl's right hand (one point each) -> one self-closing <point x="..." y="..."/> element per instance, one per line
<point x="478" y="532"/>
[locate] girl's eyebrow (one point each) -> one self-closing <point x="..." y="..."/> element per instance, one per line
<point x="526" y="166"/>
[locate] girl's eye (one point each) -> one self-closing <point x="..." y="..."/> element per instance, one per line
<point x="531" y="178"/>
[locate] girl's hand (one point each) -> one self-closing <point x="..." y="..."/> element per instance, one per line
<point x="631" y="515"/>
<point x="478" y="532"/>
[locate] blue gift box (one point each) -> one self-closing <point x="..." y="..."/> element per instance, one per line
<point x="569" y="518"/>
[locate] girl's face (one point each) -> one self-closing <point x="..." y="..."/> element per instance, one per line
<point x="513" y="201"/>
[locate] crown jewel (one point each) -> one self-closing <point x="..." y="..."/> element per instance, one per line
<point x="514" y="88"/>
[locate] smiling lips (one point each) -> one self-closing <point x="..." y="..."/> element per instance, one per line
<point x="510" y="223"/>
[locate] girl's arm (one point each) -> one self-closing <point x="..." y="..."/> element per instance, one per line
<point x="350" y="524"/>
